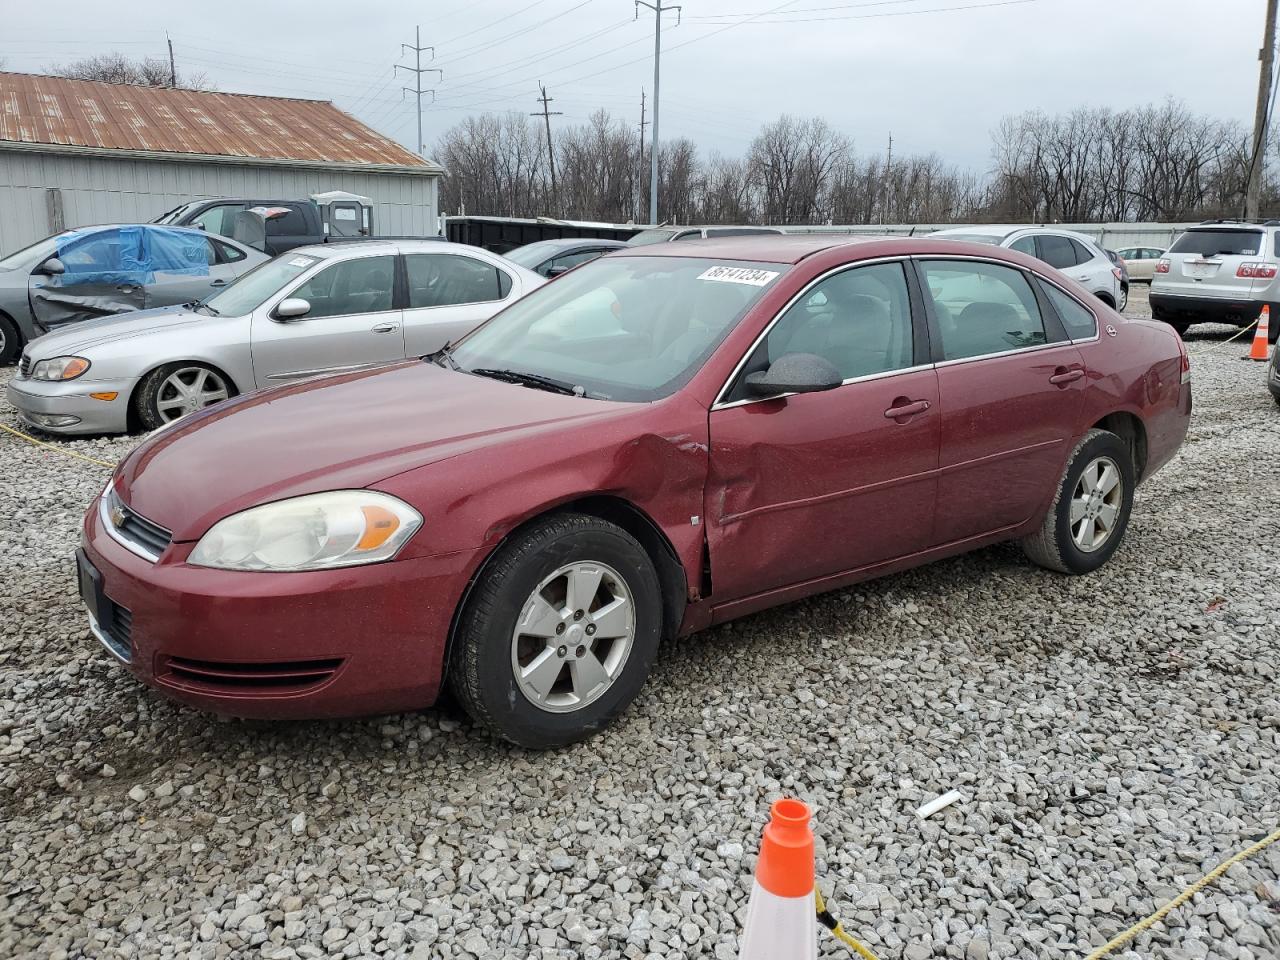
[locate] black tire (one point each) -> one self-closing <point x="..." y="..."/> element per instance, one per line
<point x="481" y="670"/>
<point x="1124" y="299"/>
<point x="1180" y="327"/>
<point x="147" y="392"/>
<point x="1053" y="546"/>
<point x="10" y="341"/>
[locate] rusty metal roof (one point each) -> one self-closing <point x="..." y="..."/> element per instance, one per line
<point x="37" y="109"/>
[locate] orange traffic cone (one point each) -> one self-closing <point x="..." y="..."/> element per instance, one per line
<point x="1262" y="336"/>
<point x="781" y="921"/>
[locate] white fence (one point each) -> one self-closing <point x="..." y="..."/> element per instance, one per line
<point x="1113" y="236"/>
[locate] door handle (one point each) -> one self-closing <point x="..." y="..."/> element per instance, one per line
<point x="908" y="408"/>
<point x="217" y="283"/>
<point x="386" y="328"/>
<point x="1062" y="376"/>
<point x="124" y="288"/>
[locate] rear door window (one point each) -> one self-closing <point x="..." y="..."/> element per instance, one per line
<point x="1083" y="253"/>
<point x="1211" y="243"/>
<point x="1057" y="251"/>
<point x="446" y="279"/>
<point x="982" y="308"/>
<point x="1079" y="322"/>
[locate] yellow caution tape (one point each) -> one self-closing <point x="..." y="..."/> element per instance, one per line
<point x="832" y="924"/>
<point x="51" y="446"/>
<point x="1183" y="897"/>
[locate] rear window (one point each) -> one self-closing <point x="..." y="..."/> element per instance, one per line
<point x="1208" y="243"/>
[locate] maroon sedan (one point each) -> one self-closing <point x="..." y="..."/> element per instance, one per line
<point x="661" y="440"/>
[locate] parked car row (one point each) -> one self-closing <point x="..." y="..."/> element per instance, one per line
<point x="661" y="439"/>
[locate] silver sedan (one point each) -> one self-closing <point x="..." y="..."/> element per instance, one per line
<point x="315" y="310"/>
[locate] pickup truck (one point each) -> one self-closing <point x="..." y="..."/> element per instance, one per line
<point x="323" y="217"/>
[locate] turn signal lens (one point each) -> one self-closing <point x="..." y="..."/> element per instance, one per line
<point x="317" y="532"/>
<point x="107" y="395"/>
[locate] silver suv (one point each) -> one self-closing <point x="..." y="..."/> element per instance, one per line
<point x="1220" y="271"/>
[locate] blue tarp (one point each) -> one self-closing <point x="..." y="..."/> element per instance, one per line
<point x="131" y="255"/>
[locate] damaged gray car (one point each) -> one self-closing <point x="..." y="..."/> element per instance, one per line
<point x="95" y="272"/>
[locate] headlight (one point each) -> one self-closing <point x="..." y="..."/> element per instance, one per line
<point x="59" y="368"/>
<point x="315" y="532"/>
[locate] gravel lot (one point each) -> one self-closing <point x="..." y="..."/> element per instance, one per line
<point x="1114" y="737"/>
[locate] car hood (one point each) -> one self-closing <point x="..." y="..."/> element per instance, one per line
<point x="76" y="338"/>
<point x="334" y="433"/>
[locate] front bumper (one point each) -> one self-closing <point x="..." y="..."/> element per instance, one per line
<point x="350" y="642"/>
<point x="67" y="407"/>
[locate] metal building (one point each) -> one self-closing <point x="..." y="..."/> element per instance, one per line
<point x="79" y="152"/>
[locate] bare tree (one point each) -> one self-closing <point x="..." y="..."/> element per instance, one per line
<point x="117" y="68"/>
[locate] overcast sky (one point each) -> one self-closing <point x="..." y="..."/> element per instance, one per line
<point x="939" y="81"/>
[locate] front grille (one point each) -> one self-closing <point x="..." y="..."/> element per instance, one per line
<point x="237" y="677"/>
<point x="118" y="634"/>
<point x="24" y="366"/>
<point x="134" y="530"/>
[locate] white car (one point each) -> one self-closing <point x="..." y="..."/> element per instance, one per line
<point x="1073" y="253"/>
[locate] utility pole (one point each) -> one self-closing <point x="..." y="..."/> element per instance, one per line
<point x="640" y="172"/>
<point x="173" y="70"/>
<point x="418" y="70"/>
<point x="888" y="169"/>
<point x="1258" y="162"/>
<point x="658" y="10"/>
<point x="551" y="154"/>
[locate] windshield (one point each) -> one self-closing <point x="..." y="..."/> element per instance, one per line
<point x="532" y="254"/>
<point x="177" y="213"/>
<point x="621" y="328"/>
<point x="646" y="237"/>
<point x="258" y="285"/>
<point x="33" y="254"/>
<point x="969" y="237"/>
<point x="1208" y="243"/>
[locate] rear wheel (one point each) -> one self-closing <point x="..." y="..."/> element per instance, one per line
<point x="559" y="633"/>
<point x="1090" y="513"/>
<point x="10" y="341"/>
<point x="176" y="389"/>
<point x="1124" y="298"/>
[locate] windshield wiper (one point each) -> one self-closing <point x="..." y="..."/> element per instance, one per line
<point x="445" y="354"/>
<point x="213" y="312"/>
<point x="535" y="380"/>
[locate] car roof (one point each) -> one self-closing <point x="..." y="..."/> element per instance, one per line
<point x="561" y="243"/>
<point x="764" y="247"/>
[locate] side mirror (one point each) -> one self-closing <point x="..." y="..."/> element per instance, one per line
<point x="795" y="373"/>
<point x="53" y="267"/>
<point x="553" y="272"/>
<point x="292" y="308"/>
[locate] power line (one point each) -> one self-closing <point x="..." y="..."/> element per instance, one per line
<point x="418" y="70"/>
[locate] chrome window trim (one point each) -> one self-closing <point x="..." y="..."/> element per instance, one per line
<point x="1006" y="353"/>
<point x="721" y="404"/>
<point x="104" y="517"/>
<point x="883" y="375"/>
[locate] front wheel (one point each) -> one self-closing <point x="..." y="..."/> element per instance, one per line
<point x="10" y="341"/>
<point x="1090" y="513"/>
<point x="559" y="633"/>
<point x="176" y="389"/>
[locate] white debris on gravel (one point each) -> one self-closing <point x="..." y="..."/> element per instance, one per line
<point x="1115" y="736"/>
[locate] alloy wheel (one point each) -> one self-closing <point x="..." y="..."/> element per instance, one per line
<point x="187" y="390"/>
<point x="1096" y="504"/>
<point x="573" y="636"/>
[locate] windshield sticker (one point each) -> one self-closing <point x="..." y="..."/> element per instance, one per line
<point x="301" y="262"/>
<point x="754" y="278"/>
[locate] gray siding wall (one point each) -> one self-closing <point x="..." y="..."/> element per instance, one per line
<point x="110" y="190"/>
